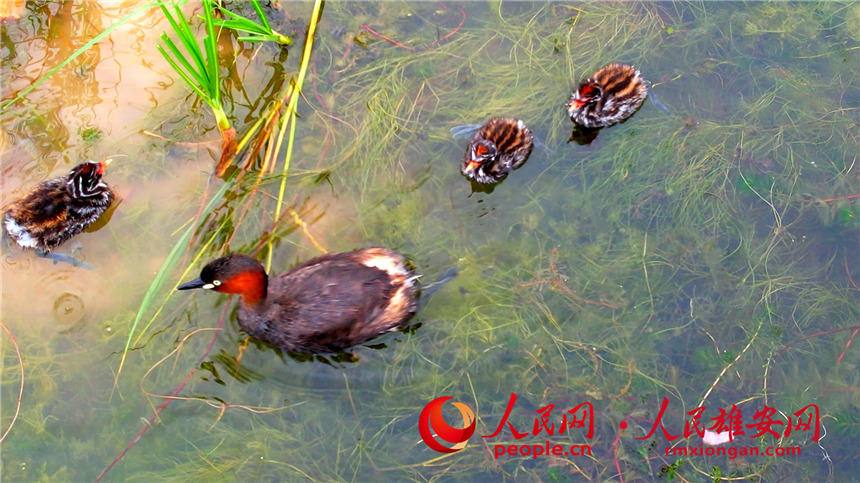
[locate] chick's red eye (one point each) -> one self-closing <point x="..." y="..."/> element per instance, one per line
<point x="480" y="150"/>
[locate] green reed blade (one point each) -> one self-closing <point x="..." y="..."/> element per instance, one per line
<point x="191" y="77"/>
<point x="188" y="39"/>
<point x="188" y="81"/>
<point x="211" y="53"/>
<point x="190" y="47"/>
<point x="263" y="29"/>
<point x="242" y="23"/>
<point x="257" y="39"/>
<point x="163" y="272"/>
<point x="259" y="10"/>
<point x="185" y="274"/>
<point x="200" y="73"/>
<point x="290" y="114"/>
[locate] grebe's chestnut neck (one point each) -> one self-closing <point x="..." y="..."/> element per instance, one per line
<point x="238" y="274"/>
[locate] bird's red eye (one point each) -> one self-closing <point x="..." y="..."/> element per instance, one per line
<point x="481" y="150"/>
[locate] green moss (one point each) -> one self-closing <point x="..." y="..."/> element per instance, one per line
<point x="90" y="135"/>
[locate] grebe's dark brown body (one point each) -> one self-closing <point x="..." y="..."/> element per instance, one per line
<point x="59" y="209"/>
<point x="324" y="305"/>
<point x="610" y="95"/>
<point x="497" y="148"/>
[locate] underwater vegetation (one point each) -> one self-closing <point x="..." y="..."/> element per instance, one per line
<point x="707" y="255"/>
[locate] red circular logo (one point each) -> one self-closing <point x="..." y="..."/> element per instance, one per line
<point x="431" y="415"/>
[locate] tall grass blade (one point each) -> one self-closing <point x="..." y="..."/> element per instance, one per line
<point x="211" y="53"/>
<point x="259" y="10"/>
<point x="263" y="30"/>
<point x="198" y="70"/>
<point x="290" y="114"/>
<point x="193" y="84"/>
<point x="163" y="272"/>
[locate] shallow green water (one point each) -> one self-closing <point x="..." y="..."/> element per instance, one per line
<point x="679" y="255"/>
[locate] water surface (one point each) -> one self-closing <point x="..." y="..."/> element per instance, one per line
<point x="708" y="255"/>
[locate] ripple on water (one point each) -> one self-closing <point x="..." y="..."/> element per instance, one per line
<point x="69" y="311"/>
<point x="48" y="297"/>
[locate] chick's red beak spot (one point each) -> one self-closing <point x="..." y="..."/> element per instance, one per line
<point x="576" y="104"/>
<point x="471" y="166"/>
<point x="104" y="164"/>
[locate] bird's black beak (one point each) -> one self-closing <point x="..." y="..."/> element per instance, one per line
<point x="196" y="283"/>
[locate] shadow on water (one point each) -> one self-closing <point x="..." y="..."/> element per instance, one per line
<point x="707" y="256"/>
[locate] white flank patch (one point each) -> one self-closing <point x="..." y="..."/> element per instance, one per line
<point x="19" y="234"/>
<point x="391" y="266"/>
